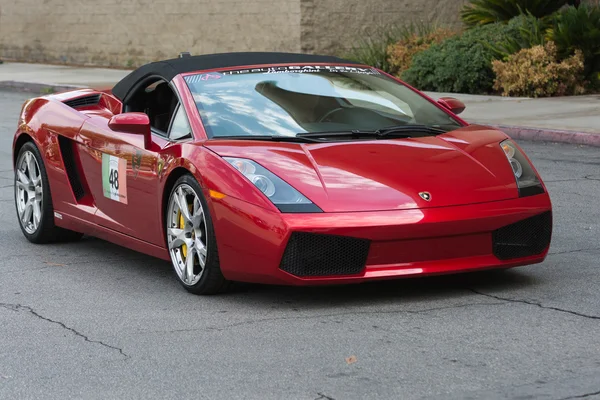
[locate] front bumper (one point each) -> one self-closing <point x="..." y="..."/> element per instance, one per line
<point x="252" y="241"/>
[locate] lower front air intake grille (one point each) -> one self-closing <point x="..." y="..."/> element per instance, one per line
<point x="528" y="237"/>
<point x="311" y="254"/>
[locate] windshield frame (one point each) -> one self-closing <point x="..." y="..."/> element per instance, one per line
<point x="194" y="112"/>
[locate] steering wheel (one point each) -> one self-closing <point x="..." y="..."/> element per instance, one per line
<point x="330" y="113"/>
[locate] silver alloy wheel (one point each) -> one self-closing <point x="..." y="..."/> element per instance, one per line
<point x="186" y="234"/>
<point x="29" y="192"/>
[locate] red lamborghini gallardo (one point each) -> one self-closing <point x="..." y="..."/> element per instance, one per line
<point x="277" y="168"/>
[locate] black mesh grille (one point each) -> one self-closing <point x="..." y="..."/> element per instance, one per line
<point x="310" y="254"/>
<point x="66" y="150"/>
<point x="83" y="101"/>
<point x="524" y="238"/>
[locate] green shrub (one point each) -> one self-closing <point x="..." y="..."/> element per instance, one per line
<point x="402" y="52"/>
<point x="483" y="12"/>
<point x="536" y="72"/>
<point x="374" y="50"/>
<point x="579" y="29"/>
<point x="531" y="32"/>
<point x="460" y="64"/>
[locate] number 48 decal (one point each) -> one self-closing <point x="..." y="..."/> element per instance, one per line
<point x="113" y="179"/>
<point x="114" y="175"/>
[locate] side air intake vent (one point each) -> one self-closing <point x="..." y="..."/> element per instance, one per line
<point x="311" y="254"/>
<point x="528" y="237"/>
<point x="83" y="101"/>
<point x="66" y="150"/>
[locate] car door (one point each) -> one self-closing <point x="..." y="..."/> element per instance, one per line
<point x="124" y="173"/>
<point x="122" y="176"/>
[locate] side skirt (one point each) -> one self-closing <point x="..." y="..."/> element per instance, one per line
<point x="77" y="224"/>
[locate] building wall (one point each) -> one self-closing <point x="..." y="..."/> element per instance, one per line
<point x="331" y="25"/>
<point x="131" y="32"/>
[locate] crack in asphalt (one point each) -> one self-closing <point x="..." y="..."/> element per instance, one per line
<point x="569" y="180"/>
<point x="585" y="178"/>
<point x="19" y="307"/>
<point x="533" y="303"/>
<point x="69" y="263"/>
<point x="582" y="396"/>
<point x="304" y="317"/>
<point x="323" y="397"/>
<point x="569" y="161"/>
<point x="573" y="251"/>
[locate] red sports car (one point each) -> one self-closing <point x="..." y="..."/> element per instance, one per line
<point x="277" y="168"/>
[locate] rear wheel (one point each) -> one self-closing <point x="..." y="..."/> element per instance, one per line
<point x="191" y="239"/>
<point x="33" y="200"/>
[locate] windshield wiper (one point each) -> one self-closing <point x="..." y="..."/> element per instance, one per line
<point x="273" y="138"/>
<point x="402" y="131"/>
<point x="331" y="134"/>
<point x="409" y="128"/>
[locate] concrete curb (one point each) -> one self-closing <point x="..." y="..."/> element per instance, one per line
<point x="37" y="88"/>
<point x="551" y="135"/>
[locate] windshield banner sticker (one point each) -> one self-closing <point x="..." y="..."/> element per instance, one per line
<point x="295" y="69"/>
<point x="208" y="77"/>
<point x="114" y="178"/>
<point x="304" y="68"/>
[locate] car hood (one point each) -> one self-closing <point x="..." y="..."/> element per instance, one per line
<point x="465" y="166"/>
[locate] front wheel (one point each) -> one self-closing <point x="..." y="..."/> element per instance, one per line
<point x="191" y="239"/>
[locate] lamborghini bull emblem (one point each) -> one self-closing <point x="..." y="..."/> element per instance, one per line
<point x="425" y="196"/>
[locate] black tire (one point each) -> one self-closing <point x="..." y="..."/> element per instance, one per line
<point x="212" y="280"/>
<point x="46" y="231"/>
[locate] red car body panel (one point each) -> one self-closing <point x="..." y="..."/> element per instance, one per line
<point x="366" y="190"/>
<point x="380" y="175"/>
<point x="405" y="242"/>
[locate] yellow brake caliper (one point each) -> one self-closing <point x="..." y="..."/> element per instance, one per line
<point x="181" y="226"/>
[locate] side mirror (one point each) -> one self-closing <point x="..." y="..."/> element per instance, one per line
<point x="132" y="122"/>
<point x="452" y="104"/>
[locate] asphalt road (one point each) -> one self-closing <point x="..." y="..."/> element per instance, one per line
<point x="93" y="320"/>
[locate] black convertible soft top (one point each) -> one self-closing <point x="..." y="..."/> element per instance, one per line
<point x="168" y="69"/>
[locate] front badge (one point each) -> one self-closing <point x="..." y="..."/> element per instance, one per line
<point x="425" y="196"/>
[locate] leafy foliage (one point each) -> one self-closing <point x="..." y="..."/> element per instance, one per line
<point x="402" y="52"/>
<point x="532" y="32"/>
<point x="483" y="12"/>
<point x="374" y="50"/>
<point x="460" y="64"/>
<point x="537" y="72"/>
<point x="579" y="29"/>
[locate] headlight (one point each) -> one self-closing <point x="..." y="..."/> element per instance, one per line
<point x="285" y="197"/>
<point x="527" y="180"/>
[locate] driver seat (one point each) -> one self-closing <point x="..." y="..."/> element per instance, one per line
<point x="164" y="103"/>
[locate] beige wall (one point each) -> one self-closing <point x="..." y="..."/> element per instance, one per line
<point x="130" y="32"/>
<point x="122" y="32"/>
<point x="330" y="25"/>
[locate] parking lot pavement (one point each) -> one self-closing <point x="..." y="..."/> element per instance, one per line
<point x="572" y="113"/>
<point x="93" y="320"/>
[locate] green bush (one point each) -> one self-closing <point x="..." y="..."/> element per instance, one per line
<point x="531" y="32"/>
<point x="460" y="64"/>
<point x="483" y="12"/>
<point x="579" y="29"/>
<point x="374" y="50"/>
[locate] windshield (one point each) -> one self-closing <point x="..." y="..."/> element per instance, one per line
<point x="286" y="101"/>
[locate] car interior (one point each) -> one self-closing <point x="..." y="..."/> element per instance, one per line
<point x="156" y="100"/>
